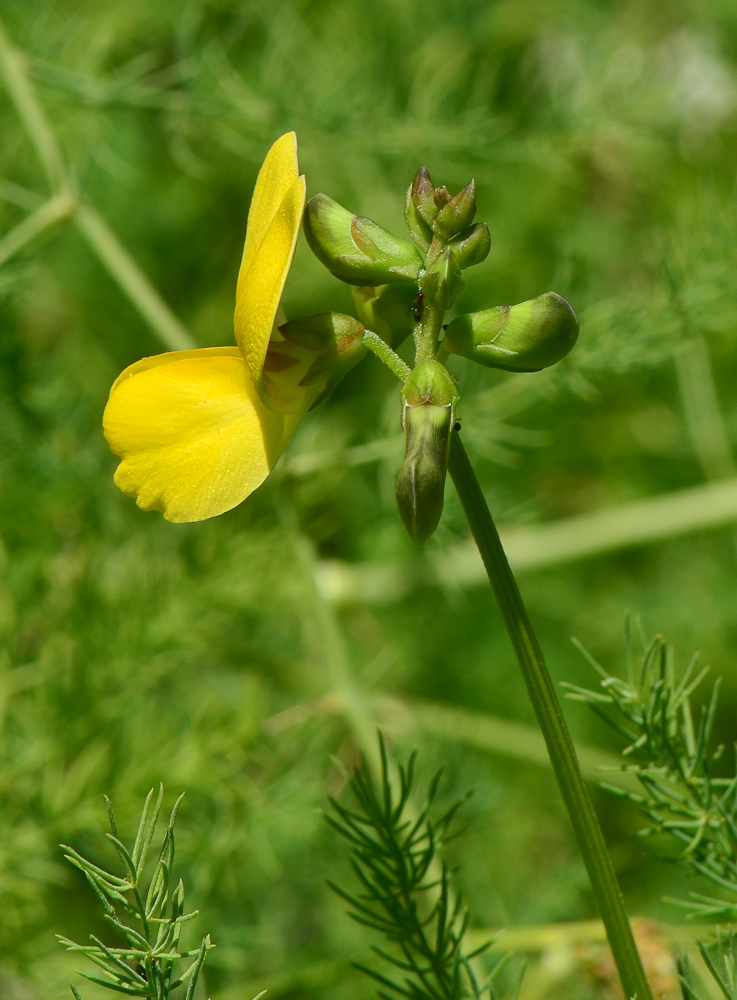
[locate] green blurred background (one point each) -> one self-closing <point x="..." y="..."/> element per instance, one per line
<point x="219" y="657"/>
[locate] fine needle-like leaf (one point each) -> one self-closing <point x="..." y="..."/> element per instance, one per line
<point x="145" y="967"/>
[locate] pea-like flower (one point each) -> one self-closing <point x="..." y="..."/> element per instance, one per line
<point x="198" y="431"/>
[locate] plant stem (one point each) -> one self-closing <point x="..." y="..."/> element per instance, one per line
<point x="426" y="332"/>
<point x="552" y="723"/>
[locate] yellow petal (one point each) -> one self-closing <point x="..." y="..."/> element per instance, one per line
<point x="268" y="254"/>
<point x="193" y="436"/>
<point x="277" y="174"/>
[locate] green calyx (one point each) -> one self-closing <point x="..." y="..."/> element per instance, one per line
<point x="522" y="338"/>
<point x="355" y="249"/>
<point x="331" y="341"/>
<point x="429" y="400"/>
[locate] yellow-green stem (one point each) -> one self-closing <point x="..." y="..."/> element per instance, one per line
<point x="553" y="726"/>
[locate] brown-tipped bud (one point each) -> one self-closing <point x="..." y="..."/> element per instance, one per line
<point x="429" y="399"/>
<point x="356" y="249"/>
<point x="523" y="338"/>
<point x="422" y="195"/>
<point x="457" y="214"/>
<point x="442" y="282"/>
<point x="387" y="310"/>
<point x="472" y="246"/>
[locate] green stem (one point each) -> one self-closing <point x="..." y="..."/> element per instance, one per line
<point x="386" y="355"/>
<point x="426" y="333"/>
<point x="552" y="723"/>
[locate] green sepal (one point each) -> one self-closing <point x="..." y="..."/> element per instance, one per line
<point x="356" y="249"/>
<point x="472" y="246"/>
<point x="387" y="310"/>
<point x="522" y="338"/>
<point x="429" y="399"/>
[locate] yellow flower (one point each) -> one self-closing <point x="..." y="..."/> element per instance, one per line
<point x="198" y="431"/>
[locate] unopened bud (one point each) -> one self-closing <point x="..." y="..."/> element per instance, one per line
<point x="429" y="399"/>
<point x="472" y="246"/>
<point x="442" y="282"/>
<point x="354" y="248"/>
<point x="457" y="214"/>
<point x="387" y="310"/>
<point x="523" y="338"/>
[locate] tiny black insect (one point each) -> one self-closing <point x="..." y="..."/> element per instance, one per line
<point x="457" y="425"/>
<point x="417" y="307"/>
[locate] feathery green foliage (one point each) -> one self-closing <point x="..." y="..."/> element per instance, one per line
<point x="144" y="967"/>
<point x="405" y="889"/>
<point x="674" y="761"/>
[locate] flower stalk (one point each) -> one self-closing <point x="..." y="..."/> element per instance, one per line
<point x="552" y="724"/>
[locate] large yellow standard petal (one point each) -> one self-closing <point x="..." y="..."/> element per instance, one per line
<point x="271" y="238"/>
<point x="193" y="437"/>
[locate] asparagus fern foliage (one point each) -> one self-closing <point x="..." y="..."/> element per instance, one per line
<point x="148" y="920"/>
<point x="404" y="891"/>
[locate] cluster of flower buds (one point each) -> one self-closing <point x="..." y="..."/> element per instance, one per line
<point x="437" y="221"/>
<point x="400" y="288"/>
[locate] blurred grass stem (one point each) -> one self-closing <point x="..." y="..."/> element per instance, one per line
<point x="58" y="207"/>
<point x="132" y="280"/>
<point x="322" y="617"/>
<point x="13" y="68"/>
<point x="552" y="723"/>
<point x="62" y="205"/>
<point x="704" y="419"/>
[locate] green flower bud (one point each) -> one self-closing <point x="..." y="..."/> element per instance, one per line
<point x="472" y="246"/>
<point x="429" y="400"/>
<point x="387" y="310"/>
<point x="442" y="282"/>
<point x="354" y="248"/>
<point x="523" y="338"/>
<point x="331" y="341"/>
<point x="457" y="214"/>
